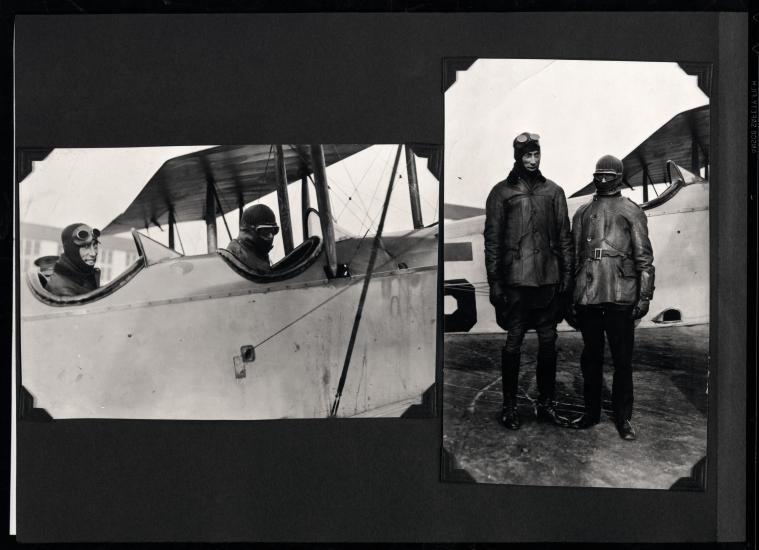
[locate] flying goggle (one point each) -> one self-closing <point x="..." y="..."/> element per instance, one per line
<point x="603" y="177"/>
<point x="84" y="235"/>
<point x="265" y="229"/>
<point x="524" y="137"/>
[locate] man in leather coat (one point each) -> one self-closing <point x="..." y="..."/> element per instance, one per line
<point x="258" y="226"/>
<point x="75" y="273"/>
<point x="614" y="284"/>
<point x="529" y="261"/>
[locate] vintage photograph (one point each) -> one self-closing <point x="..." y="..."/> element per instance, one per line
<point x="576" y="239"/>
<point x="229" y="282"/>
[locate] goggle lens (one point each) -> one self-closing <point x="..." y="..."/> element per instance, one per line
<point x="525" y="137"/>
<point x="86" y="236"/>
<point x="604" y="177"/>
<point x="267" y="230"/>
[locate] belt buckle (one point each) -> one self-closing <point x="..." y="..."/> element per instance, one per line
<point x="597" y="253"/>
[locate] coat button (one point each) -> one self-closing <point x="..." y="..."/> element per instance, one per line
<point x="536" y="251"/>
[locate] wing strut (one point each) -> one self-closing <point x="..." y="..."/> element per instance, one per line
<point x="221" y="211"/>
<point x="210" y="208"/>
<point x="645" y="183"/>
<point x="172" y="223"/>
<point x="413" y="187"/>
<point x="210" y="216"/>
<point x="325" y="209"/>
<point x="305" y="204"/>
<point x="364" y="289"/>
<point x="283" y="200"/>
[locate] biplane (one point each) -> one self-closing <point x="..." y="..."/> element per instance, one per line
<point x="676" y="202"/>
<point x="341" y="326"/>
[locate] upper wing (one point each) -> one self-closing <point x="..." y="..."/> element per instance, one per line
<point x="240" y="173"/>
<point x="676" y="140"/>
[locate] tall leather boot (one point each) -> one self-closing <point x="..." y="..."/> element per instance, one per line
<point x="510" y="383"/>
<point x="546" y="378"/>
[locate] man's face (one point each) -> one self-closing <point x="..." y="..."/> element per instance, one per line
<point x="531" y="161"/>
<point x="263" y="237"/>
<point x="89" y="253"/>
<point x="607" y="182"/>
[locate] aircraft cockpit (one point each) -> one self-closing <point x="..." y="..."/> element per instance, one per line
<point x="149" y="252"/>
<point x="296" y="262"/>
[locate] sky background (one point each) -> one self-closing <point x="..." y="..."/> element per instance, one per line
<point x="582" y="110"/>
<point x="94" y="186"/>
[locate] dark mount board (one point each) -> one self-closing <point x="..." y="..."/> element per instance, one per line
<point x="131" y="80"/>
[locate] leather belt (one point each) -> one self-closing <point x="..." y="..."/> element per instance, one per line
<point x="599" y="253"/>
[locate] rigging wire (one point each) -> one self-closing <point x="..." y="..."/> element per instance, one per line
<point x="396" y="253"/>
<point x="373" y="219"/>
<point x="310" y="311"/>
<point x="376" y="188"/>
<point x="358" y="246"/>
<point x="221" y="207"/>
<point x="350" y="285"/>
<point x="328" y="186"/>
<point x="364" y="290"/>
<point x="371" y="223"/>
<point x="363" y="176"/>
<point x="363" y="222"/>
<point x="266" y="167"/>
<point x="350" y="179"/>
<point x="342" y="202"/>
<point x="176" y="228"/>
<point x="368" y="216"/>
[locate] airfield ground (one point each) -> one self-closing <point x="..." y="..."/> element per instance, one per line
<point x="670" y="377"/>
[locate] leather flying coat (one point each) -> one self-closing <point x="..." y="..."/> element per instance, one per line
<point x="527" y="235"/>
<point x="615" y="261"/>
<point x="67" y="280"/>
<point x="244" y="250"/>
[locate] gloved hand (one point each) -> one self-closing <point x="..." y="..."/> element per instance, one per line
<point x="497" y="296"/>
<point x="640" y="309"/>
<point x="570" y="315"/>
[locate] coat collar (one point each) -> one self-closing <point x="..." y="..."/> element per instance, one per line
<point x="515" y="176"/>
<point x="66" y="268"/>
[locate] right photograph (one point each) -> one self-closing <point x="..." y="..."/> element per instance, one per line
<point x="576" y="273"/>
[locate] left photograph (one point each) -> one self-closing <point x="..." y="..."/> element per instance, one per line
<point x="234" y="282"/>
